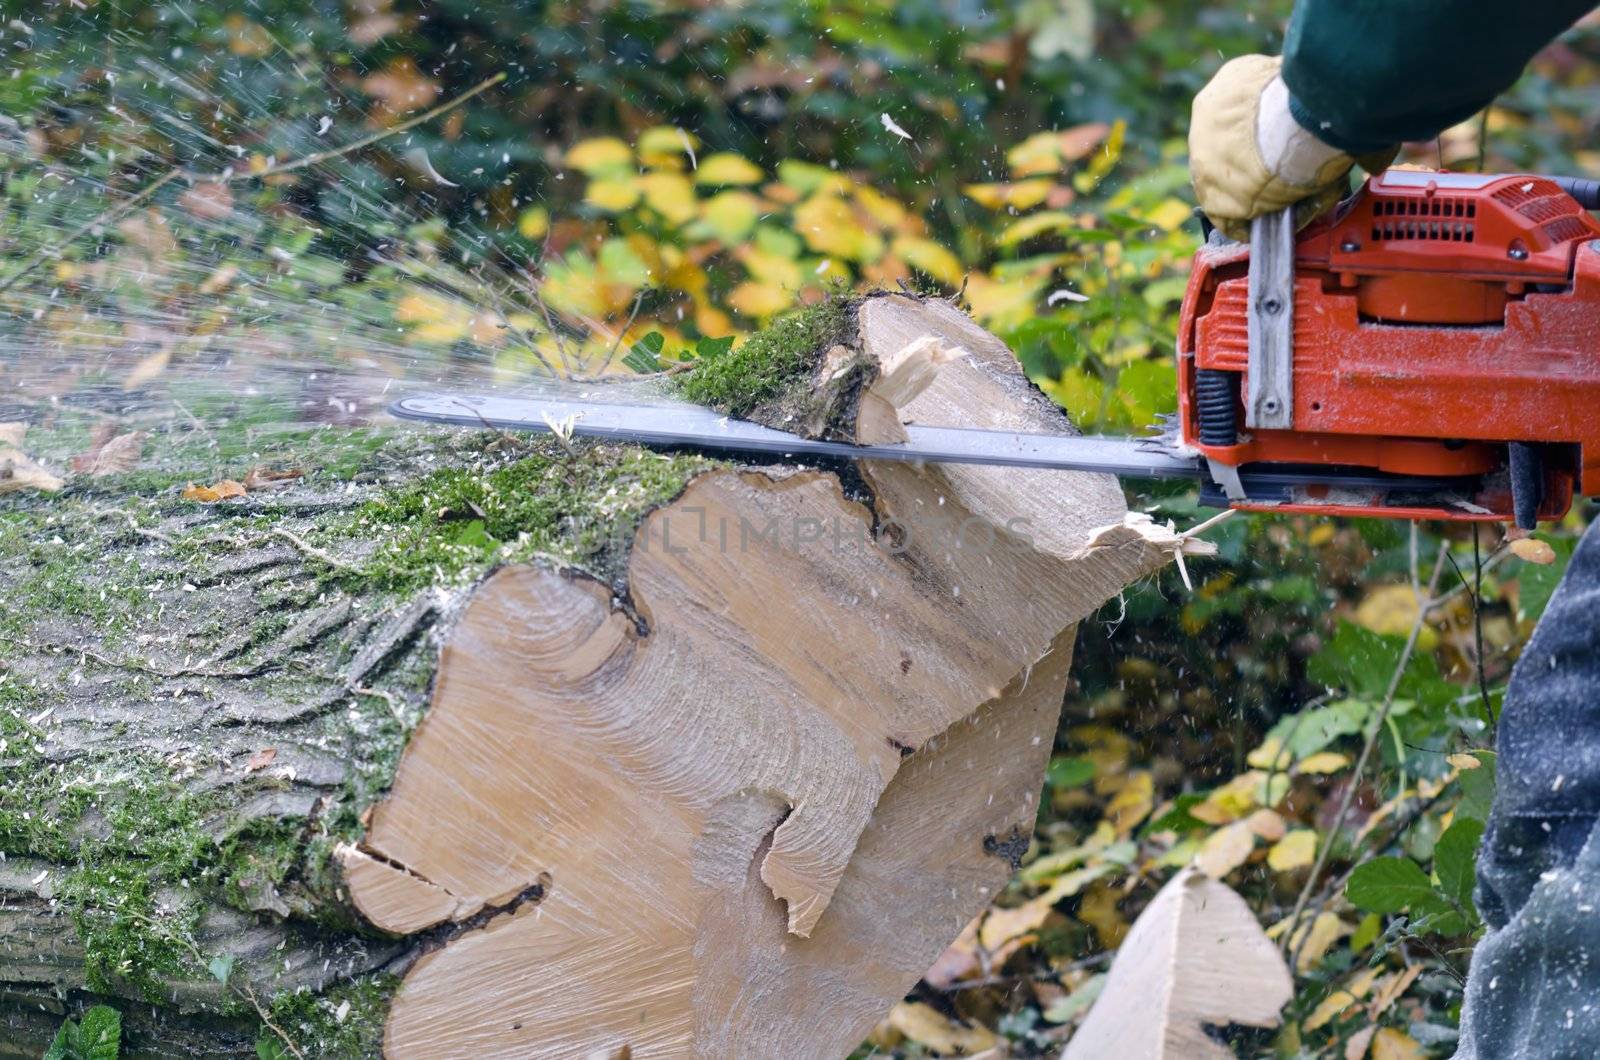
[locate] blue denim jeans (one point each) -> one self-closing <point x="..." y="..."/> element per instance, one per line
<point x="1534" y="987"/>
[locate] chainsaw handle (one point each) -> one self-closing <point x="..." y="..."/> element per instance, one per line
<point x="1585" y="192"/>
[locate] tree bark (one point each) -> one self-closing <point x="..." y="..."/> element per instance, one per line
<point x="717" y="770"/>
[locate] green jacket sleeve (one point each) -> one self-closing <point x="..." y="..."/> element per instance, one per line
<point x="1366" y="74"/>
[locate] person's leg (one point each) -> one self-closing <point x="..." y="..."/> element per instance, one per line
<point x="1534" y="986"/>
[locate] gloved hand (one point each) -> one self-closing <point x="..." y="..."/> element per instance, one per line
<point x="1248" y="155"/>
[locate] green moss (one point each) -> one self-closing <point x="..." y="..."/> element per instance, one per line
<point x="315" y="1023"/>
<point x="579" y="507"/>
<point x="772" y="364"/>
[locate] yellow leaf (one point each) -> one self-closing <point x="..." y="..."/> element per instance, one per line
<point x="1294" y="851"/>
<point x="665" y="146"/>
<point x="613" y="193"/>
<point x="731" y="215"/>
<point x="212" y="494"/>
<point x="1171" y="214"/>
<point x="670" y="195"/>
<point x="882" y="209"/>
<point x="1050" y="152"/>
<point x="931" y="258"/>
<point x="1339" y="1001"/>
<point x="1392" y="610"/>
<point x="1320" y="535"/>
<point x="1226" y="849"/>
<point x="1035" y="225"/>
<point x="1099" y="910"/>
<point x="1390" y="1044"/>
<point x="725" y="167"/>
<point x="534" y="222"/>
<point x="1319" y="936"/>
<point x="604" y="154"/>
<point x="1334" y="1004"/>
<point x="759" y="300"/>
<point x="927" y="1025"/>
<point x="774" y="269"/>
<point x="1006" y="304"/>
<point x="1270" y="755"/>
<point x="1532" y="550"/>
<point x="1463" y="761"/>
<point x="1005" y="925"/>
<point x="1133" y="802"/>
<point x="829" y="226"/>
<point x="1392" y="989"/>
<point x="1322" y="762"/>
<point x="1019" y="195"/>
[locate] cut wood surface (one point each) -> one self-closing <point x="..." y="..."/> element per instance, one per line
<point x="473" y="746"/>
<point x="1196" y="961"/>
<point x="741" y="814"/>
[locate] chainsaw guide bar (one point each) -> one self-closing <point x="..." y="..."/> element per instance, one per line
<point x="695" y="427"/>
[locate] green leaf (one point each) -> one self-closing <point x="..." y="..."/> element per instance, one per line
<point x="1477" y="787"/>
<point x="270" y="1048"/>
<point x="1455" y="859"/>
<point x="1362" y="663"/>
<point x="711" y="348"/>
<point x="221" y="967"/>
<point x="1388" y="885"/>
<point x="1537" y="582"/>
<point x="1366" y="932"/>
<point x="65" y="1045"/>
<point x="1306" y="733"/>
<point x="645" y="355"/>
<point x="1178" y="818"/>
<point x="1065" y="772"/>
<point x="100" y="1034"/>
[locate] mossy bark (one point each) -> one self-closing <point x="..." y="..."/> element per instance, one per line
<point x="199" y="702"/>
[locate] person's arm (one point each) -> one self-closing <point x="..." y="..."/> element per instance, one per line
<point x="1366" y="74"/>
<point x="1357" y="78"/>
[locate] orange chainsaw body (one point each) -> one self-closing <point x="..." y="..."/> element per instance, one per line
<point x="1437" y="318"/>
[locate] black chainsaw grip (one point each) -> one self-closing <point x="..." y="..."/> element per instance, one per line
<point x="1216" y="402"/>
<point x="1586" y="192"/>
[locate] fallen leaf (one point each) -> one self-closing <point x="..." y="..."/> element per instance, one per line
<point x="1009" y="929"/>
<point x="1133" y="802"/>
<point x="212" y="494"/>
<point x="1319" y="936"/>
<point x="1294" y="851"/>
<point x="959" y="959"/>
<point x="1356" y="1047"/>
<point x="265" y="478"/>
<point x="1532" y="550"/>
<point x="17" y="470"/>
<point x="208" y="201"/>
<point x="1391" y="990"/>
<point x="925" y="1024"/>
<point x="1267" y="824"/>
<point x="401" y="87"/>
<point x="1322" y="762"/>
<point x="261" y="759"/>
<point x="1390" y="1044"/>
<point x="1099" y="910"/>
<point x="1226" y="850"/>
<point x="112" y="455"/>
<point x="1338" y="1002"/>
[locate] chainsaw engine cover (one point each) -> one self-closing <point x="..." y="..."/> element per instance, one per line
<point x="1438" y="318"/>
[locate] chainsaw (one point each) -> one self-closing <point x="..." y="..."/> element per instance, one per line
<point x="1430" y="349"/>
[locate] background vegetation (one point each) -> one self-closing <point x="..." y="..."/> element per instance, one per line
<point x="695" y="169"/>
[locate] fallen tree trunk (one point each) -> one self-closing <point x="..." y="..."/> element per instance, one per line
<point x="474" y="747"/>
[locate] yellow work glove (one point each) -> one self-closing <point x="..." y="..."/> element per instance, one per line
<point x="1248" y="156"/>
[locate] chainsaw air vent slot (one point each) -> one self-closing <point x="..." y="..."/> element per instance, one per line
<point x="1436" y="231"/>
<point x="1564" y="229"/>
<point x="1515" y="195"/>
<point x="1436" y="206"/>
